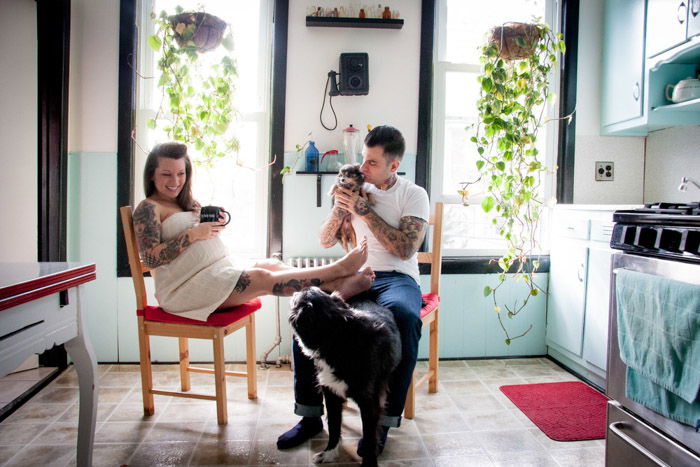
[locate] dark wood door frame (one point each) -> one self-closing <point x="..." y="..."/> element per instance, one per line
<point x="53" y="58"/>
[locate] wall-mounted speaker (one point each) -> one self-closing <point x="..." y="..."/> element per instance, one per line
<point x="354" y="74"/>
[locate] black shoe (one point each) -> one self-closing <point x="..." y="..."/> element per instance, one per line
<point x="381" y="442"/>
<point x="307" y="428"/>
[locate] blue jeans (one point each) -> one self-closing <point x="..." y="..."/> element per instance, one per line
<point x="401" y="294"/>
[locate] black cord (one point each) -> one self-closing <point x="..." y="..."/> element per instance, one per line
<point x="330" y="102"/>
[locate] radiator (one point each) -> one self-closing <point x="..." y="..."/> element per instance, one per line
<point x="311" y="261"/>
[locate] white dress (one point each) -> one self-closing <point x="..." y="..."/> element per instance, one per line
<point x="199" y="280"/>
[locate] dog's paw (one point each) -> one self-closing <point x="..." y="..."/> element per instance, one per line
<point x="325" y="457"/>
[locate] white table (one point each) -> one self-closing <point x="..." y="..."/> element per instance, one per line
<point x="40" y="306"/>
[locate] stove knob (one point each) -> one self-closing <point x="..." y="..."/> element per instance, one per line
<point x="671" y="240"/>
<point x="647" y="237"/>
<point x="692" y="242"/>
<point x="630" y="233"/>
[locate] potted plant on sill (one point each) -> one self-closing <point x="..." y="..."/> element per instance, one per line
<point x="517" y="62"/>
<point x="197" y="100"/>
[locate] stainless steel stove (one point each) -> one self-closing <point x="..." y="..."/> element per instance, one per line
<point x="666" y="230"/>
<point x="660" y="239"/>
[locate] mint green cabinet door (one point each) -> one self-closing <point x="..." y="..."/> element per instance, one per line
<point x="595" y="335"/>
<point x="667" y="22"/>
<point x="623" y="61"/>
<point x="566" y="301"/>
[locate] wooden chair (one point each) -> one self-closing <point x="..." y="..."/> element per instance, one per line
<point x="430" y="312"/>
<point x="154" y="321"/>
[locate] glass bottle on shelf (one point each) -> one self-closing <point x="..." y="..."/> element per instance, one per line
<point x="352" y="145"/>
<point x="387" y="13"/>
<point x="311" y="156"/>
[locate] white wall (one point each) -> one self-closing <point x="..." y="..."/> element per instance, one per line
<point x="627" y="153"/>
<point x="18" y="131"/>
<point x="94" y="59"/>
<point x="394" y="59"/>
<point x="671" y="155"/>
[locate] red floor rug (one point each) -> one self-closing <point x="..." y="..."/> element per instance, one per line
<point x="569" y="411"/>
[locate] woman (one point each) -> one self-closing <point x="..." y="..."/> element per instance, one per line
<point x="193" y="274"/>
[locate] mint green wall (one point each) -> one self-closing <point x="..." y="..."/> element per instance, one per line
<point x="92" y="195"/>
<point x="469" y="326"/>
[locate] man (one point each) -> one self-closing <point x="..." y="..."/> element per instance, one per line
<point x="394" y="224"/>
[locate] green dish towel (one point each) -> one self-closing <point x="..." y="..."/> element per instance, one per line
<point x="659" y="334"/>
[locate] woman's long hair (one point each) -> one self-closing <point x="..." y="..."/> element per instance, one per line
<point x="171" y="150"/>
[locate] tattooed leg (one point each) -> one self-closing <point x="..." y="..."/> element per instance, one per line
<point x="286" y="289"/>
<point x="243" y="282"/>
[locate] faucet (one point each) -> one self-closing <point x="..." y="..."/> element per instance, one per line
<point x="684" y="184"/>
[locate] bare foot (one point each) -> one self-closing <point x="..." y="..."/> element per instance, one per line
<point x="353" y="261"/>
<point x="355" y="284"/>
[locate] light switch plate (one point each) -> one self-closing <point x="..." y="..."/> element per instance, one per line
<point x="604" y="171"/>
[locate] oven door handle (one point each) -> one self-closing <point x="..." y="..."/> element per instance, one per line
<point x="644" y="451"/>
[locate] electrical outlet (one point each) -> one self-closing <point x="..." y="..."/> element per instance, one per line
<point x="604" y="171"/>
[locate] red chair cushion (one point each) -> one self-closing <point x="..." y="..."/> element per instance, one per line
<point x="431" y="301"/>
<point x="218" y="318"/>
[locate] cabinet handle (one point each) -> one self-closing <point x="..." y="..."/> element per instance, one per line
<point x="682" y="12"/>
<point x="579" y="272"/>
<point x="694" y="7"/>
<point x="635" y="91"/>
<point x="642" y="450"/>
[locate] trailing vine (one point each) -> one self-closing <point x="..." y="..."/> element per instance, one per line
<point x="197" y="99"/>
<point x="511" y="109"/>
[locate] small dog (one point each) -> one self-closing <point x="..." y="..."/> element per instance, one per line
<point x="349" y="177"/>
<point x="355" y="350"/>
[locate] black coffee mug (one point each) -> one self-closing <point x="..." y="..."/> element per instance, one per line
<point x="212" y="214"/>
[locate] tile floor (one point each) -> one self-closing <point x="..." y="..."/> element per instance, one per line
<point x="468" y="422"/>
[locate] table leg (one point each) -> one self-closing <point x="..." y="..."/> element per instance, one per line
<point x="83" y="357"/>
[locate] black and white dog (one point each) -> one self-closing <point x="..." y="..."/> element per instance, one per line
<point x="355" y="349"/>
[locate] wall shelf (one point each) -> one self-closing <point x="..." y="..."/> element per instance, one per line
<point x="333" y="22"/>
<point x="687" y="106"/>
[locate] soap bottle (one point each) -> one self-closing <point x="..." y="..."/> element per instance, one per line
<point x="311" y="156"/>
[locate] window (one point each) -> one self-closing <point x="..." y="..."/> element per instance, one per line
<point x="461" y="29"/>
<point x="239" y="183"/>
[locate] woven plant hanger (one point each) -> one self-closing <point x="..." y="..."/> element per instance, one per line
<point x="515" y="40"/>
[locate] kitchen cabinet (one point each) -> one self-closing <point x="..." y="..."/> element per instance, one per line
<point x="623" y="61"/>
<point x="579" y="290"/>
<point x="693" y="18"/>
<point x="635" y="74"/>
<point x="667" y="22"/>
<point x="567" y="287"/>
<point x="595" y="333"/>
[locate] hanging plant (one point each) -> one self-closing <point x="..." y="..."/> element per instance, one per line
<point x="197" y="98"/>
<point x="517" y="62"/>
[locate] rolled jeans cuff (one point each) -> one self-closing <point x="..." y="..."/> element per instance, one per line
<point x="393" y="421"/>
<point x="308" y="410"/>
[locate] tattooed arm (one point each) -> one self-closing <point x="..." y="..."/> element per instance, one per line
<point x="330" y="228"/>
<point x="147" y="226"/>
<point x="403" y="241"/>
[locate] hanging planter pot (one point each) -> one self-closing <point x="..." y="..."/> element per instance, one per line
<point x="203" y="30"/>
<point x="515" y="41"/>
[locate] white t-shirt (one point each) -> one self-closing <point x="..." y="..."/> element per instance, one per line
<point x="403" y="199"/>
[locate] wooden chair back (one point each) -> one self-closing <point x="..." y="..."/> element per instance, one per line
<point x="434" y="255"/>
<point x="137" y="267"/>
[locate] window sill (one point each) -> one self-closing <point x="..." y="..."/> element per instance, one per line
<point x="476" y="265"/>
